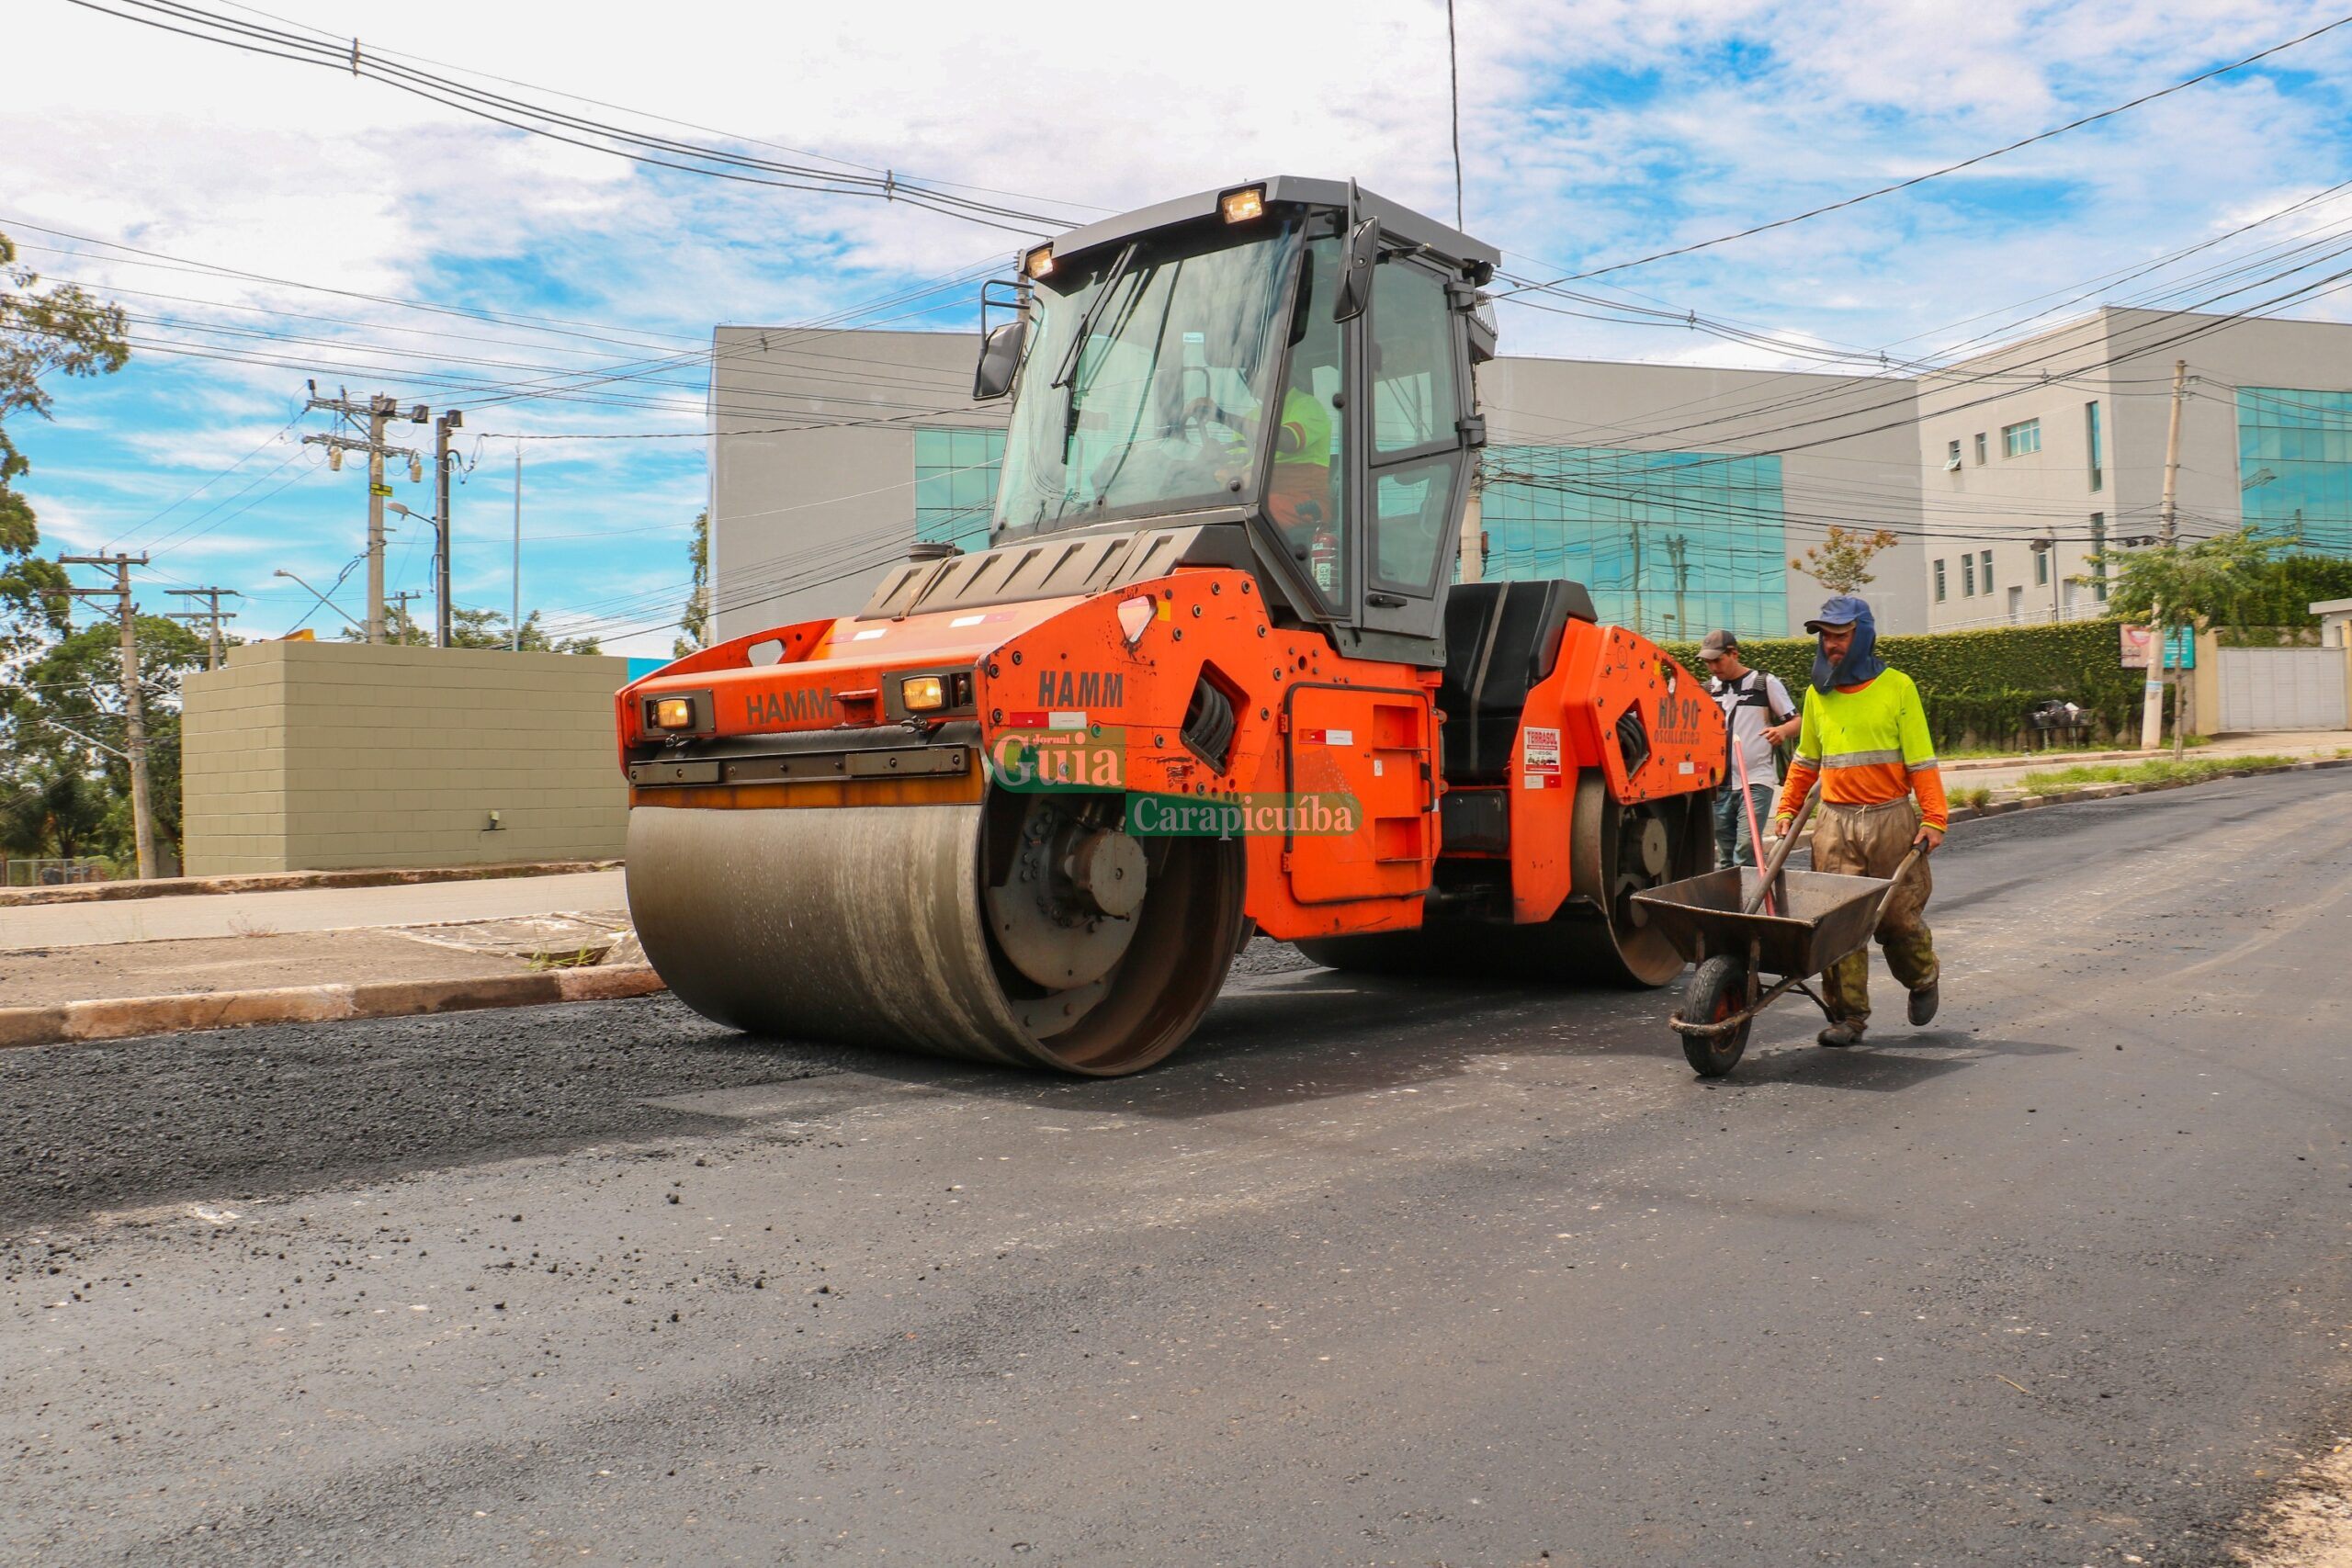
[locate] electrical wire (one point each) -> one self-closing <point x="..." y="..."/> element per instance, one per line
<point x="1968" y="163"/>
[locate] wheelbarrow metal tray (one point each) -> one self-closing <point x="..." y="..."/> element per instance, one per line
<point x="1823" y="916"/>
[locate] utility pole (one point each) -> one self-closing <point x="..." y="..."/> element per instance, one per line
<point x="1678" y="548"/>
<point x="375" y="411"/>
<point x="454" y="419"/>
<point x="514" y="625"/>
<point x="212" y="614"/>
<point x="1634" y="536"/>
<point x="134" y="704"/>
<point x="398" y="618"/>
<point x="1472" y="556"/>
<point x="2152" y="707"/>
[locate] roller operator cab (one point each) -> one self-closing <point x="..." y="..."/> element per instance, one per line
<point x="1210" y="674"/>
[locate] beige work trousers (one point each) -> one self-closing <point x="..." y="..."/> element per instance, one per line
<point x="1870" y="841"/>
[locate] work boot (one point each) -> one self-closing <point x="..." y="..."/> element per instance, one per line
<point x="1844" y="1031"/>
<point x="1923" y="1004"/>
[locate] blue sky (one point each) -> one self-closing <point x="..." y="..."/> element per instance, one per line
<point x="1592" y="132"/>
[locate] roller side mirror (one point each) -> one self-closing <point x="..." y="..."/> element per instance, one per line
<point x="999" y="359"/>
<point x="1355" y="272"/>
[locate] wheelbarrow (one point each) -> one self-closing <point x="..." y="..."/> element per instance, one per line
<point x="1757" y="935"/>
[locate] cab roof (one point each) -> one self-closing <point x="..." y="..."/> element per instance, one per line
<point x="1396" y="218"/>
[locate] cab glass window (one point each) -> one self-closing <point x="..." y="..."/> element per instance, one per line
<point x="1414" y="402"/>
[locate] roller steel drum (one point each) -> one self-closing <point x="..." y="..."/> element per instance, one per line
<point x="872" y="925"/>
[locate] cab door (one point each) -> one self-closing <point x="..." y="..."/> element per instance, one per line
<point x="1418" y="436"/>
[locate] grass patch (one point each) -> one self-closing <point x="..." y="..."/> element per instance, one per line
<point x="1976" y="799"/>
<point x="2046" y="780"/>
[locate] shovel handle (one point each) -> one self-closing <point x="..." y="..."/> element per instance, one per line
<point x="1770" y="875"/>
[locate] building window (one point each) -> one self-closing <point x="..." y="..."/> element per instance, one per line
<point x="2098" y="556"/>
<point x="1986" y="570"/>
<point x="1968" y="576"/>
<point x="955" y="473"/>
<point x="1664" y="540"/>
<point x="1940" y="580"/>
<point x="2090" y="431"/>
<point x="2295" y="467"/>
<point x="2041" y="566"/>
<point x="1980" y="448"/>
<point x="1951" y="456"/>
<point x="2022" y="439"/>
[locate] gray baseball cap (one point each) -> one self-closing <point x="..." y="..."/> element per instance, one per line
<point x="1715" y="645"/>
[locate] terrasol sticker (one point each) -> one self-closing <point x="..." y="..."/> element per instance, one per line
<point x="1540" y="758"/>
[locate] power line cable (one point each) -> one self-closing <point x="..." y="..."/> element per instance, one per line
<point x="2075" y="124"/>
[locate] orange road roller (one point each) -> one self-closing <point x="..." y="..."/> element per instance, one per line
<point x="1210" y="674"/>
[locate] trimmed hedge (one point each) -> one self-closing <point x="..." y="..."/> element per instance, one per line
<point x="1978" y="684"/>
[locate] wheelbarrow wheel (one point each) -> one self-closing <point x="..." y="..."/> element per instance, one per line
<point x="1718" y="990"/>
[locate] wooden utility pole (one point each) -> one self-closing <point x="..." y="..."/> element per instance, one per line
<point x="212" y="614"/>
<point x="134" y="706"/>
<point x="2152" y="707"/>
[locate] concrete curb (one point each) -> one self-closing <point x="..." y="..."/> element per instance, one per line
<point x="2109" y="790"/>
<point x="124" y="1018"/>
<point x="282" y="880"/>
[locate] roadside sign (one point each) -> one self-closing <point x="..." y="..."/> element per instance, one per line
<point x="379" y="489"/>
<point x="2180" y="649"/>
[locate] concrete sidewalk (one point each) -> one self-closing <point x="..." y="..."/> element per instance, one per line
<point x="305" y="910"/>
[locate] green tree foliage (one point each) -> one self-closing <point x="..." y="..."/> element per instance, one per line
<point x="45" y="330"/>
<point x="475" y="629"/>
<point x="2216" y="581"/>
<point x="695" y="623"/>
<point x="65" y="790"/>
<point x="400" y="626"/>
<point x="489" y="629"/>
<point x="1841" y="562"/>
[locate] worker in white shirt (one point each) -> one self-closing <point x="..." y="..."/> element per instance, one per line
<point x="1760" y="715"/>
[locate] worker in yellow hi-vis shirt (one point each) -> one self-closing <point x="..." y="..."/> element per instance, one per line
<point x="1865" y="737"/>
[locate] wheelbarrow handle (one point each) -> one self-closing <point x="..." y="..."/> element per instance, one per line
<point x="1770" y="875"/>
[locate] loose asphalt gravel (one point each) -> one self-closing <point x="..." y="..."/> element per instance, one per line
<point x="1373" y="1272"/>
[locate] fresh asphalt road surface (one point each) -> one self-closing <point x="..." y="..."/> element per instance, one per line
<point x="305" y="910"/>
<point x="1372" y="1273"/>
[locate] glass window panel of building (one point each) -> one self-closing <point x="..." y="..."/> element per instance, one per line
<point x="2295" y="467"/>
<point x="1673" y="544"/>
<point x="956" y="475"/>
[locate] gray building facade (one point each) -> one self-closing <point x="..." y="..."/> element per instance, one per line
<point x="1677" y="494"/>
<point x="2037" y="457"/>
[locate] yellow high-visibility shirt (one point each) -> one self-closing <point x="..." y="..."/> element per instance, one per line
<point x="1868" y="745"/>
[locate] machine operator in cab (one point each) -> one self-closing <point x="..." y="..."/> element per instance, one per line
<point x="1864" y="737"/>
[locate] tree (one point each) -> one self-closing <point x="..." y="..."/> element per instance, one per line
<point x="1841" y="562"/>
<point x="696" y="624"/>
<point x="65" y="718"/>
<point x="45" y="330"/>
<point x="2215" y="581"/>
<point x="400" y="626"/>
<point x="489" y="629"/>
